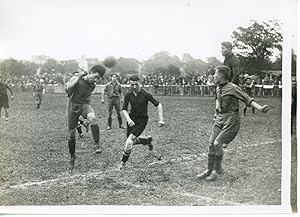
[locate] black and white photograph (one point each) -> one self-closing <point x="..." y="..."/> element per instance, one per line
<point x="148" y="107"/>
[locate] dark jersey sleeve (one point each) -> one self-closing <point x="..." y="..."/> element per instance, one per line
<point x="152" y="100"/>
<point x="126" y="102"/>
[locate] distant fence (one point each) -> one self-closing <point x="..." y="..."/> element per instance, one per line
<point x="179" y="90"/>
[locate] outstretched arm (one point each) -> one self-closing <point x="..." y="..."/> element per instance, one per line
<point x="160" y="115"/>
<point x="264" y="108"/>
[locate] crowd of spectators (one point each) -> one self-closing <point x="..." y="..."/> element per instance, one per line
<point x="160" y="84"/>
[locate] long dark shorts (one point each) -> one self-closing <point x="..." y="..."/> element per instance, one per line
<point x="4" y="101"/>
<point x="74" y="110"/>
<point x="225" y="128"/>
<point x="138" y="128"/>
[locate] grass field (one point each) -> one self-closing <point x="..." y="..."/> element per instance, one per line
<point x="34" y="158"/>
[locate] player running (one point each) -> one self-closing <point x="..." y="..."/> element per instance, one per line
<point x="137" y="119"/>
<point x="79" y="89"/>
<point x="4" y="97"/>
<point x="227" y="121"/>
<point x="38" y="92"/>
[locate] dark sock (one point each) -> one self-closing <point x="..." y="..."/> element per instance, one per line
<point x="71" y="143"/>
<point x="95" y="133"/>
<point x="109" y="120"/>
<point x="253" y="110"/>
<point x="218" y="163"/>
<point x="211" y="162"/>
<point x="144" y="141"/>
<point x="120" y="120"/>
<point x="79" y="130"/>
<point x="125" y="156"/>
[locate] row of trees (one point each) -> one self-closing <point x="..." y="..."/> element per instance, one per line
<point x="255" y="45"/>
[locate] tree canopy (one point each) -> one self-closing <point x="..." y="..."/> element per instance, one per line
<point x="257" y="44"/>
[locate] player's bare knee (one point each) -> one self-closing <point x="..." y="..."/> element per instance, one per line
<point x="128" y="145"/>
<point x="92" y="118"/>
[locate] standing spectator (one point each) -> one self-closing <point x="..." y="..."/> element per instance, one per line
<point x="266" y="81"/>
<point x="4" y="97"/>
<point x="114" y="98"/>
<point x="248" y="84"/>
<point x="231" y="61"/>
<point x="38" y="92"/>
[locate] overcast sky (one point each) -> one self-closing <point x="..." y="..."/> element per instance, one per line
<point x="67" y="29"/>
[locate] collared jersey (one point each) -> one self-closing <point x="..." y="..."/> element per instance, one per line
<point x="228" y="96"/>
<point x="81" y="92"/>
<point x="234" y="64"/>
<point x="113" y="89"/>
<point x="138" y="103"/>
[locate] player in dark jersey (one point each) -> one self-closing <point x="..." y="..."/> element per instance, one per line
<point x="4" y="97"/>
<point x="231" y="61"/>
<point x="137" y="118"/>
<point x="248" y="87"/>
<point x="227" y="121"/>
<point x="38" y="92"/>
<point x="79" y="89"/>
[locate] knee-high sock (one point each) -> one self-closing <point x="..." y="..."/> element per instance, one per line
<point x="218" y="162"/>
<point x="211" y="162"/>
<point x="120" y="120"/>
<point x="79" y="130"/>
<point x="144" y="141"/>
<point x="125" y="156"/>
<point x="95" y="133"/>
<point x="109" y="120"/>
<point x="71" y="144"/>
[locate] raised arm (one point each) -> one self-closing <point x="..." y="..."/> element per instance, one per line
<point x="73" y="81"/>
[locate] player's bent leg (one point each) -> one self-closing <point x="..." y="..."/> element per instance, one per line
<point x="95" y="131"/>
<point x="219" y="157"/>
<point x="127" y="150"/>
<point x="218" y="150"/>
<point x="144" y="141"/>
<point x="118" y="109"/>
<point x="6" y="114"/>
<point x="109" y="119"/>
<point x="71" y="144"/>
<point x="210" y="162"/>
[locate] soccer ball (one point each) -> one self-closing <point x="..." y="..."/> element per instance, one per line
<point x="109" y="61"/>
